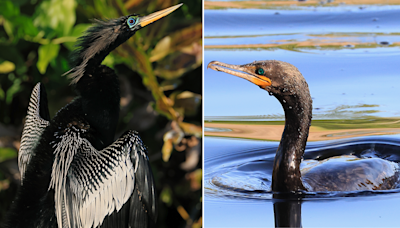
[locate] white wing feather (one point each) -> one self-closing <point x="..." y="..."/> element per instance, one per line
<point x="98" y="182"/>
<point x="33" y="129"/>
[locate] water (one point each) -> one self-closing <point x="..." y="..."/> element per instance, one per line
<point x="245" y="170"/>
<point x="238" y="177"/>
<point x="315" y="42"/>
<point x="349" y="55"/>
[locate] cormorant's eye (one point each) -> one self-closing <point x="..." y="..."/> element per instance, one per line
<point x="132" y="21"/>
<point x="260" y="71"/>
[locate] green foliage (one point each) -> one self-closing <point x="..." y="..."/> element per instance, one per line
<point x="56" y="17"/>
<point x="6" y="67"/>
<point x="7" y="153"/>
<point x="14" y="88"/>
<point x="47" y="52"/>
<point x="166" y="196"/>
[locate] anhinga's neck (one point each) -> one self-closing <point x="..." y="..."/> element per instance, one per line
<point x="286" y="175"/>
<point x="98" y="85"/>
<point x="100" y="96"/>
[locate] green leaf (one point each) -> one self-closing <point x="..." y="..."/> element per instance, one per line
<point x="15" y="88"/>
<point x="19" y="27"/>
<point x="58" y="15"/>
<point x="46" y="53"/>
<point x="8" y="28"/>
<point x="6" y="67"/>
<point x="16" y="24"/>
<point x="166" y="196"/>
<point x="2" y="95"/>
<point x="8" y="9"/>
<point x="25" y="26"/>
<point x="7" y="153"/>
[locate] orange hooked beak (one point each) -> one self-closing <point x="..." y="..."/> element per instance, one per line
<point x="246" y="72"/>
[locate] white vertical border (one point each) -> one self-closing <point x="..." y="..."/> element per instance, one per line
<point x="202" y="116"/>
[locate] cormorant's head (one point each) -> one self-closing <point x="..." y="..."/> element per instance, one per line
<point x="276" y="77"/>
<point x="100" y="39"/>
<point x="280" y="79"/>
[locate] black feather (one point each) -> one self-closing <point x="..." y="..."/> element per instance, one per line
<point x="43" y="109"/>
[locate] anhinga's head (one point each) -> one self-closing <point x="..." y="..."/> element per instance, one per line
<point x="104" y="37"/>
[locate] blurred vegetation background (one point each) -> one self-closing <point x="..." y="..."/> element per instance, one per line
<point x="161" y="84"/>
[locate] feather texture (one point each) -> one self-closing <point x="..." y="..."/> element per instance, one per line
<point x="33" y="127"/>
<point x="93" y="47"/>
<point x="89" y="184"/>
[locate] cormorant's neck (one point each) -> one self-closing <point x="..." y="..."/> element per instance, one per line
<point x="298" y="111"/>
<point x="100" y="97"/>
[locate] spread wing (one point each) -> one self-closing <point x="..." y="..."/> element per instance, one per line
<point x="90" y="185"/>
<point x="143" y="200"/>
<point x="37" y="120"/>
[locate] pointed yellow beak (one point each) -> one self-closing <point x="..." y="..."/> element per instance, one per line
<point x="143" y="21"/>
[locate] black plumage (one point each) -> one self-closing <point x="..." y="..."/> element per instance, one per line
<point x="73" y="173"/>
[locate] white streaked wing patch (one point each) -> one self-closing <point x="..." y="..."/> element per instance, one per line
<point x="33" y="129"/>
<point x="99" y="182"/>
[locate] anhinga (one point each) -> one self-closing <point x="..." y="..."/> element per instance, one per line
<point x="342" y="173"/>
<point x="73" y="174"/>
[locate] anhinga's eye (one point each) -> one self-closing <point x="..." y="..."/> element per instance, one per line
<point x="260" y="71"/>
<point x="132" y="21"/>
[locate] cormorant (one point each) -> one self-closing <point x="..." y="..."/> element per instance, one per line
<point x="73" y="174"/>
<point x="341" y="173"/>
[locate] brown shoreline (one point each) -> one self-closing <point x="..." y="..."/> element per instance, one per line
<point x="264" y="4"/>
<point x="274" y="132"/>
<point x="313" y="43"/>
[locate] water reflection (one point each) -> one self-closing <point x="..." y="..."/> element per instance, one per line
<point x="302" y="42"/>
<point x="287" y="212"/>
<point x="216" y="129"/>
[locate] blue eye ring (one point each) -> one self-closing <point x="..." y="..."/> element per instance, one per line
<point x="132" y="21"/>
<point x="260" y="71"/>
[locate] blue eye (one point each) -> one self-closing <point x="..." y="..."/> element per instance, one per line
<point x="260" y="71"/>
<point x="132" y="21"/>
